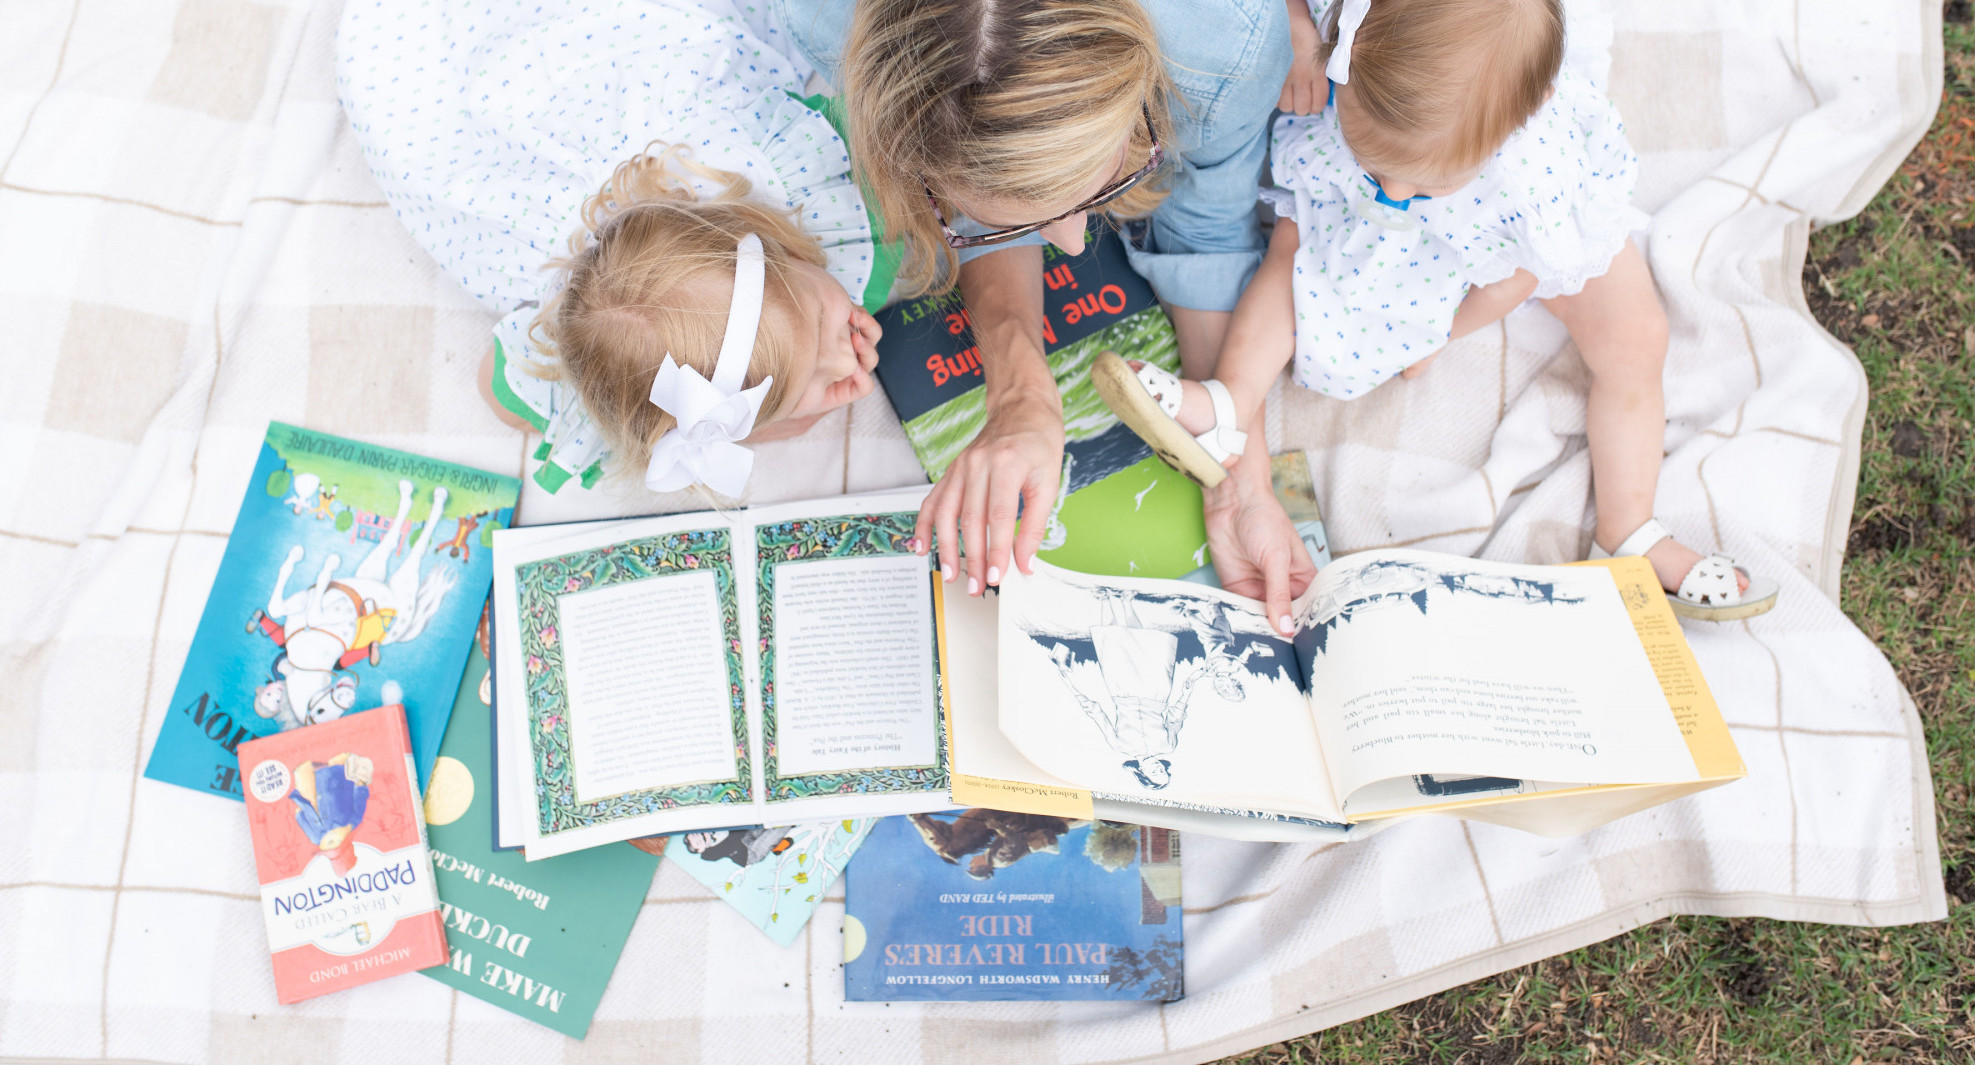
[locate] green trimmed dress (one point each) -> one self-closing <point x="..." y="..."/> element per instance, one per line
<point x="489" y="124"/>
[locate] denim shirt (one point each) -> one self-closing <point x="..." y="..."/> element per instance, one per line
<point x="1227" y="58"/>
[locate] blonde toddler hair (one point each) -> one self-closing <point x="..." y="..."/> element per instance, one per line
<point x="1444" y="83"/>
<point x="651" y="272"/>
<point x="1006" y="99"/>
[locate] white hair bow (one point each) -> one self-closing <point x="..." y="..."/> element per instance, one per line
<point x="714" y="416"/>
<point x="1349" y="18"/>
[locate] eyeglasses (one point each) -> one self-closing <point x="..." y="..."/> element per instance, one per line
<point x="1106" y="195"/>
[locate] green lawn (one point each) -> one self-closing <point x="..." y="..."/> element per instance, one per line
<point x="1898" y="284"/>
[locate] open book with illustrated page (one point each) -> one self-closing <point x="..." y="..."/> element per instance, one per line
<point x="773" y="665"/>
<point x="1548" y="698"/>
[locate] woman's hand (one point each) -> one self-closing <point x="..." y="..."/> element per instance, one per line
<point x="1256" y="550"/>
<point x="1017" y="457"/>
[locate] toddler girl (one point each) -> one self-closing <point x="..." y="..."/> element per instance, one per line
<point x="717" y="255"/>
<point x="1460" y="169"/>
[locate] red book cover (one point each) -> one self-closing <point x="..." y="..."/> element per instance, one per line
<point x="339" y="839"/>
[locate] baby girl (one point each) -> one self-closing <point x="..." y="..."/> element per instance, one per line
<point x="1455" y="169"/>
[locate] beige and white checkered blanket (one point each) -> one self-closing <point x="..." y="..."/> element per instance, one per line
<point x="190" y="245"/>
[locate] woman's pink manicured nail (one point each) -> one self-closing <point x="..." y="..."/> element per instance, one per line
<point x="994" y="575"/>
<point x="946" y="573"/>
<point x="912" y="545"/>
<point x="1283" y="623"/>
<point x="973" y="586"/>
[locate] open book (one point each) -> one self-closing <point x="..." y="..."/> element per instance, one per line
<point x="765" y="666"/>
<point x="1551" y="698"/>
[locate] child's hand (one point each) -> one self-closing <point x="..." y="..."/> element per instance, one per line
<point x="864" y="334"/>
<point x="1305" y="89"/>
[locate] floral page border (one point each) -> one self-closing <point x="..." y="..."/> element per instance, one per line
<point x="840" y="536"/>
<point x="539" y="586"/>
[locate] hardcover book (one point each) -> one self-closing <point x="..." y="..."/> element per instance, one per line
<point x="1119" y="509"/>
<point x="353" y="577"/>
<point x="538" y="939"/>
<point x="339" y="844"/>
<point x="773" y="665"/>
<point x="1551" y="698"/>
<point x="773" y="876"/>
<point x="981" y="904"/>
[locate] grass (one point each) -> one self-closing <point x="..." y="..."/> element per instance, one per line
<point x="1898" y="285"/>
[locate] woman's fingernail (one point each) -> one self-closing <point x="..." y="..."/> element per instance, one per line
<point x="913" y="545"/>
<point x="994" y="574"/>
<point x="1284" y="623"/>
<point x="946" y="573"/>
<point x="973" y="586"/>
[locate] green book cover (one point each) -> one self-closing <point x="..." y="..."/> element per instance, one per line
<point x="538" y="939"/>
<point x="1119" y="511"/>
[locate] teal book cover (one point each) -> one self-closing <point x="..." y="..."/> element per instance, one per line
<point x="1119" y="510"/>
<point x="773" y="876"/>
<point x="538" y="939"/>
<point x="979" y="905"/>
<point x="353" y="577"/>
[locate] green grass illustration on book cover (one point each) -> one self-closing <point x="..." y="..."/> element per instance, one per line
<point x="538" y="939"/>
<point x="1120" y="511"/>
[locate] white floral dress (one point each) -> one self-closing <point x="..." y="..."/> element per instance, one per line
<point x="489" y="122"/>
<point x="1377" y="283"/>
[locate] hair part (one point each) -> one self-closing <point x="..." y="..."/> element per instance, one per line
<point x="1445" y="83"/>
<point x="1024" y="100"/>
<point x="651" y="273"/>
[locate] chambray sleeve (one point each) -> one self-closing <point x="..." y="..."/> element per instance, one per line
<point x="1228" y="59"/>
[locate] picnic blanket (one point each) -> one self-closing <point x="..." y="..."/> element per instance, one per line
<point x="190" y="245"/>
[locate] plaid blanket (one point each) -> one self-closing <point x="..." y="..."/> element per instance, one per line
<point x="190" y="245"/>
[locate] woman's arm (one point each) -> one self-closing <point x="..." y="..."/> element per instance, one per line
<point x="1017" y="457"/>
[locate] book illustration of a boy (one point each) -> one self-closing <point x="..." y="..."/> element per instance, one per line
<point x="330" y="799"/>
<point x="338" y="622"/>
<point x="1396" y="583"/>
<point x="994" y="839"/>
<point x="1149" y="672"/>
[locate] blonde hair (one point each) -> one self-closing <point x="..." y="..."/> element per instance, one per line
<point x="1006" y="99"/>
<point x="1445" y="83"/>
<point x="651" y="273"/>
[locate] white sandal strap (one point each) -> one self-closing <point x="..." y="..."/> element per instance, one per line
<point x="1711" y="583"/>
<point x="1642" y="540"/>
<point x="1223" y="441"/>
<point x="1163" y="387"/>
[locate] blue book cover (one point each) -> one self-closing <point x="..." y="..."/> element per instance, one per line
<point x="354" y="577"/>
<point x="977" y="904"/>
<point x="773" y="876"/>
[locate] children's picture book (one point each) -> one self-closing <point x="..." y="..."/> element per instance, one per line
<point x="984" y="904"/>
<point x="773" y="665"/>
<point x="353" y="577"/>
<point x="773" y="876"/>
<point x="339" y="844"/>
<point x="1119" y="509"/>
<point x="538" y="939"/>
<point x="1552" y="698"/>
<point x="988" y="771"/>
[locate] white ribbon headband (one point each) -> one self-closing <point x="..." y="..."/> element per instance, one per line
<point x="714" y="416"/>
<point x="1349" y="18"/>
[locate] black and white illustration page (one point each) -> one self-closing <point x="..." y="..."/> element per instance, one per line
<point x="1161" y="689"/>
<point x="1437" y="668"/>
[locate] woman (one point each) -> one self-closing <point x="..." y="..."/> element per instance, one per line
<point x="988" y="127"/>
